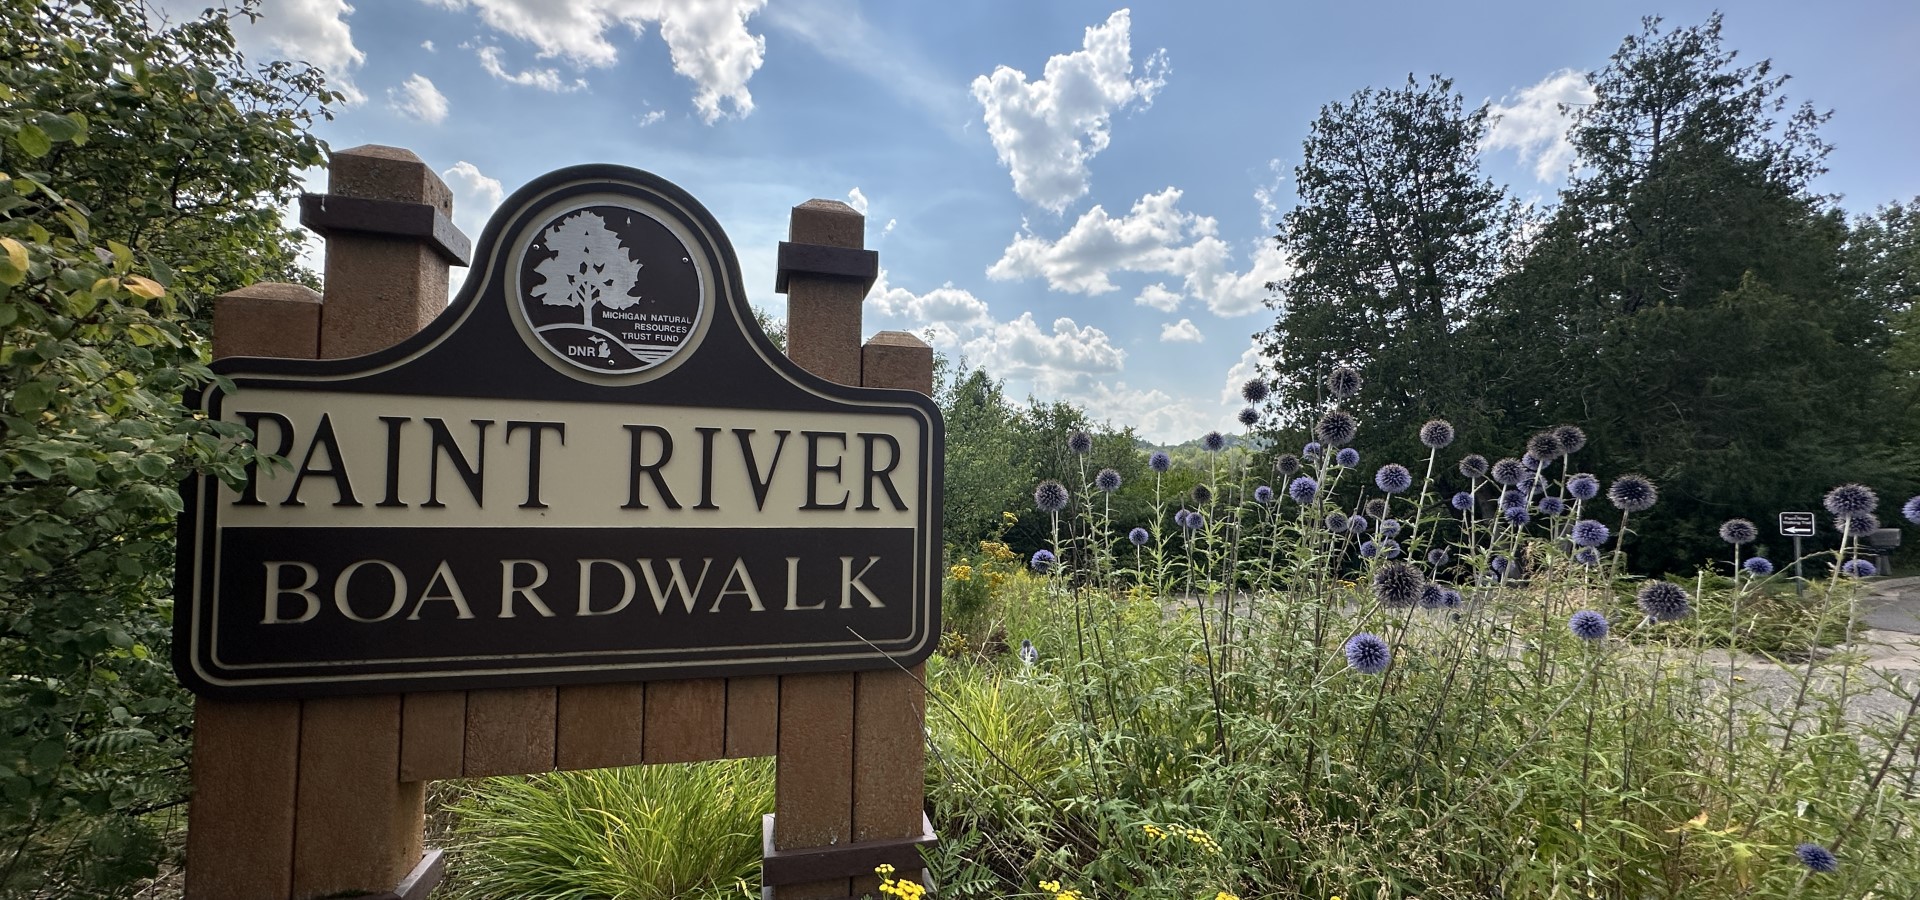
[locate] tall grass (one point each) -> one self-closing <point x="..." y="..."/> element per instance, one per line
<point x="689" y="830"/>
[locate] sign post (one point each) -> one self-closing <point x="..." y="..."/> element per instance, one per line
<point x="1798" y="525"/>
<point x="587" y="516"/>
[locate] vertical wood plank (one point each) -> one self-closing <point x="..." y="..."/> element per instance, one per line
<point x="889" y="758"/>
<point x="813" y="781"/>
<point x="433" y="730"/>
<point x="357" y="821"/>
<point x="510" y="731"/>
<point x="686" y="721"/>
<point x="598" y="725"/>
<point x="245" y="768"/>
<point x="753" y="716"/>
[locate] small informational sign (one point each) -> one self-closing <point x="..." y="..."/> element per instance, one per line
<point x="592" y="467"/>
<point x="1796" y="524"/>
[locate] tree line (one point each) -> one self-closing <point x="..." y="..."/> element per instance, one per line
<point x="1689" y="299"/>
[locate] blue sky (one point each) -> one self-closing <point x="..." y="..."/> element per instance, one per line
<point x="1077" y="196"/>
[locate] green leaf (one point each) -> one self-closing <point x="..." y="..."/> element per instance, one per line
<point x="46" y="754"/>
<point x="33" y="141"/>
<point x="81" y="471"/>
<point x="151" y="465"/>
<point x="32" y="397"/>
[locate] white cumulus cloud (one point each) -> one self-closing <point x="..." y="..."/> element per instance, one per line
<point x="1158" y="297"/>
<point x="1181" y="332"/>
<point x="548" y="79"/>
<point x="1533" y="125"/>
<point x="857" y="200"/>
<point x="954" y="307"/>
<point x="708" y="40"/>
<point x="417" y="97"/>
<point x="1154" y="237"/>
<point x="1057" y="360"/>
<point x="1045" y="131"/>
<point x="311" y="31"/>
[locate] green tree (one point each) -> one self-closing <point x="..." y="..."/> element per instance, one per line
<point x="141" y="171"/>
<point x="1685" y="302"/>
<point x="986" y="469"/>
<point x="1394" y="242"/>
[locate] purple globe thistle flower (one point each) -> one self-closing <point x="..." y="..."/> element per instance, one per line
<point x="1249" y="416"/>
<point x="1159" y="461"/>
<point x="1587" y="556"/>
<point x="1512" y="497"/>
<point x="1663" y="601"/>
<point x="1389" y="527"/>
<point x="1393" y="478"/>
<point x="1051" y="496"/>
<point x="1758" y="566"/>
<point x="1286" y="464"/>
<point x="1437" y="433"/>
<point x="1368" y="654"/>
<point x="1138" y="536"/>
<point x="1397" y="584"/>
<point x="1588" y="625"/>
<point x="1516" y="515"/>
<point x="1214" y="442"/>
<point x="1029" y="654"/>
<point x="1813" y="856"/>
<point x="1589" y="533"/>
<point x="1389" y="548"/>
<point x="1080" y="442"/>
<point x="1377" y="507"/>
<point x="1633" y="493"/>
<point x="1499" y="565"/>
<point x="1433" y="596"/>
<point x="1857" y="524"/>
<point x="1452" y="600"/>
<point x="1303" y="490"/>
<point x="1202" y="494"/>
<point x="1912" y="510"/>
<point x="1337" y="522"/>
<point x="1311" y="450"/>
<point x="1463" y="501"/>
<point x="1263" y="494"/>
<point x="1552" y="506"/>
<point x="1437" y="557"/>
<point x="1526" y="484"/>
<point x="1196" y="520"/>
<point x="1473" y="465"/>
<point x="1858" y="568"/>
<point x="1851" y="499"/>
<point x="1739" y="531"/>
<point x="1508" y="471"/>
<point x="1571" y="438"/>
<point x="1254" y="391"/>
<point x="1358" y="524"/>
<point x="1042" y="561"/>
<point x="1544" y="448"/>
<point x="1583" y="486"/>
<point x="1180" y="518"/>
<point x="1344" y="383"/>
<point x="1369" y="550"/>
<point x="1348" y="457"/>
<point x="1337" y="427"/>
<point x="1108" y="480"/>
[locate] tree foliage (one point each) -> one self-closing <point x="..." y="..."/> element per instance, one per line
<point x="141" y="171"/>
<point x="1395" y="240"/>
<point x="1690" y="302"/>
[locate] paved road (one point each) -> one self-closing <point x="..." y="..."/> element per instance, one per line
<point x="1889" y="645"/>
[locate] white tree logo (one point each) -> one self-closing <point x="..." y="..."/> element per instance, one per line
<point x="590" y="267"/>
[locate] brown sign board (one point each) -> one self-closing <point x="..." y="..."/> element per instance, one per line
<point x="592" y="467"/>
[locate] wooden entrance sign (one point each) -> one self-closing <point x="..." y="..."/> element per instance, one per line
<point x="587" y="516"/>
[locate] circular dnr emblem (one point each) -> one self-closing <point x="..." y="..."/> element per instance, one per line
<point x="609" y="289"/>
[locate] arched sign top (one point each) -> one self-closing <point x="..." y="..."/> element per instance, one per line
<point x="591" y="467"/>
